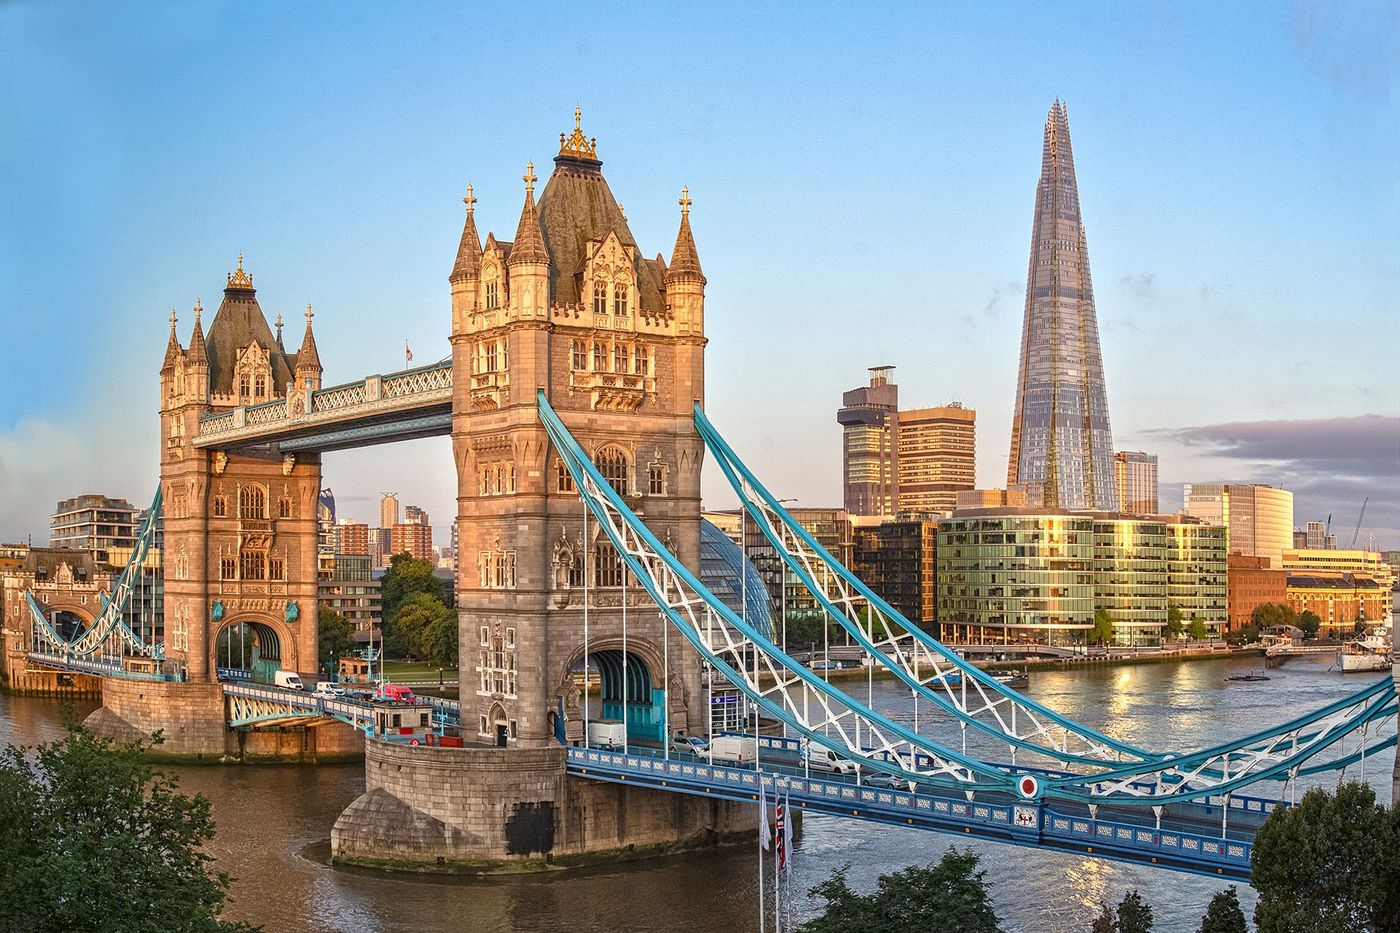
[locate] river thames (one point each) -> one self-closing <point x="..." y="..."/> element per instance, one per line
<point x="274" y="828"/>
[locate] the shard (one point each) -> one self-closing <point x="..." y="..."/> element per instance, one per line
<point x="1060" y="436"/>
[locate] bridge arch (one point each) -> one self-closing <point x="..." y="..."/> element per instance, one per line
<point x="631" y="686"/>
<point x="244" y="641"/>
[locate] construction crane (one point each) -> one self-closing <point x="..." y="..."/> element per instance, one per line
<point x="1357" y="532"/>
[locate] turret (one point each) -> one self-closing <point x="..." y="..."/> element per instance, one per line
<point x="308" y="371"/>
<point x="685" y="283"/>
<point x="197" y="361"/>
<point x="529" y="262"/>
<point x="466" y="271"/>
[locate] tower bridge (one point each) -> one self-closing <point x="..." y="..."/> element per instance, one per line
<point x="574" y="399"/>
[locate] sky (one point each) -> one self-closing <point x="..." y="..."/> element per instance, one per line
<point x="863" y="181"/>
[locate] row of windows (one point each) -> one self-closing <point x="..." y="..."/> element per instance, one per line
<point x="252" y="503"/>
<point x="497" y="570"/>
<point x="497" y="667"/>
<point x="491" y="356"/>
<point x="258" y="389"/>
<point x="252" y="565"/>
<point x="496" y="479"/>
<point x="621" y="292"/>
<point x="621" y="357"/>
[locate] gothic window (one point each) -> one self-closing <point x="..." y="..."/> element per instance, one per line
<point x="493" y="294"/>
<point x="576" y="576"/>
<point x="252" y="565"/>
<point x="600" y="298"/>
<point x="656" y="479"/>
<point x="505" y="353"/>
<point x="607" y="565"/>
<point x="483" y="561"/>
<point x="220" y="506"/>
<point x="563" y="482"/>
<point x="620" y="298"/>
<point x="485" y="481"/>
<point x="580" y="354"/>
<point x="284" y="507"/>
<point x="228" y="568"/>
<point x="615" y="468"/>
<point x="490" y="357"/>
<point x="620" y="358"/>
<point x="243" y="386"/>
<point x="497" y="668"/>
<point x="252" y="502"/>
<point x="600" y="358"/>
<point x="260" y="387"/>
<point x="639" y="360"/>
<point x="276" y="568"/>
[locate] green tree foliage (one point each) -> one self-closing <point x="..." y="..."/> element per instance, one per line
<point x="423" y="628"/>
<point x="1176" y="622"/>
<point x="1105" y="922"/>
<point x="950" y="895"/>
<point x="804" y="631"/>
<point x="1198" y="630"/>
<point x="333" y="634"/>
<point x="406" y="576"/>
<point x="91" y="838"/>
<point x="1134" y="915"/>
<point x="438" y="643"/>
<point x="1245" y="634"/>
<point x="1329" y="864"/>
<point x="1224" y="915"/>
<point x="1310" y="622"/>
<point x="1102" y="633"/>
<point x="1268" y="614"/>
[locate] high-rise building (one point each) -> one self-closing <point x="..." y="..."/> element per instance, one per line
<point x="95" y="524"/>
<point x="935" y="457"/>
<point x="1314" y="538"/>
<point x="913" y="461"/>
<point x="352" y="538"/>
<point x="1259" y="519"/>
<point x="414" y="534"/>
<point x="1060" y="434"/>
<point x="869" y="420"/>
<point x="830" y="527"/>
<point x="896" y="560"/>
<point x="388" y="510"/>
<point x="325" y="522"/>
<point x="1135" y="475"/>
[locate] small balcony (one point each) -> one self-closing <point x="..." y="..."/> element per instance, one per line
<point x="613" y="391"/>
<point x="490" y="391"/>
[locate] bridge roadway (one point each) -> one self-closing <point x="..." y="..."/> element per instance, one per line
<point x="1189" y="837"/>
<point x="251" y="705"/>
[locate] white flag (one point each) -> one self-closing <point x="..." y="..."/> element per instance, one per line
<point x="787" y="835"/>
<point x="765" y="838"/>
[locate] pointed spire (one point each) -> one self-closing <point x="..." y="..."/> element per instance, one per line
<point x="469" y="249"/>
<point x="196" y="352"/>
<point x="279" y="332"/>
<point x="307" y="357"/>
<point x="529" y="242"/>
<point x="685" y="261"/>
<point x="240" y="280"/>
<point x="173" y="349"/>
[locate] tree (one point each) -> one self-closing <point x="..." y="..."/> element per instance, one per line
<point x="1134" y="915"/>
<point x="1267" y="614"/>
<point x="951" y="895"/>
<point x="1105" y="922"/>
<point x="406" y="576"/>
<point x="403" y="635"/>
<point x="1224" y="915"/>
<point x="333" y="634"/>
<point x="438" y="642"/>
<point x="94" y="839"/>
<point x="1175" y="621"/>
<point x="1329" y="864"/>
<point x="1310" y="622"/>
<point x="1198" y="630"/>
<point x="1102" y="633"/>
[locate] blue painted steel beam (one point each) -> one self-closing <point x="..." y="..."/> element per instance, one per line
<point x="382" y="432"/>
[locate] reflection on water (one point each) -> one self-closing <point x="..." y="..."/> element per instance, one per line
<point x="274" y="822"/>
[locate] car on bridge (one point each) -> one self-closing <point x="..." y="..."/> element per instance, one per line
<point x="326" y="690"/>
<point x="689" y="744"/>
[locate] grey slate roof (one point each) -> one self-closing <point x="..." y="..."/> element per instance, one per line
<point x="238" y="322"/>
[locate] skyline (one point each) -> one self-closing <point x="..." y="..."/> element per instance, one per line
<point x="803" y="217"/>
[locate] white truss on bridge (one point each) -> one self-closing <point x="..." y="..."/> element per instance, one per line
<point x="374" y="395"/>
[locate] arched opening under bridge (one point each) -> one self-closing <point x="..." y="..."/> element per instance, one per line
<point x="244" y="648"/>
<point x="627" y="691"/>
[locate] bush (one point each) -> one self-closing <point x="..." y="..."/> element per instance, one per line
<point x="950" y="895"/>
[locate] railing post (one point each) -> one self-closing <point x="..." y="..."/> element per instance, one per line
<point x="374" y="387"/>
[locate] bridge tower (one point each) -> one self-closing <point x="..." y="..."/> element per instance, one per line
<point x="240" y="526"/>
<point x="616" y="340"/>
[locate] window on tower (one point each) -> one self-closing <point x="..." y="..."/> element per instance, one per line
<point x="615" y="467"/>
<point x="620" y="298"/>
<point x="260" y="387"/>
<point x="600" y="358"/>
<point x="600" y="298"/>
<point x="252" y="502"/>
<point x="639" y="360"/>
<point x="563" y="482"/>
<point x="242" y="386"/>
<point x="620" y="358"/>
<point x="580" y="354"/>
<point x="493" y="294"/>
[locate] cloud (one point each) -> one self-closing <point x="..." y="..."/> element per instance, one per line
<point x="999" y="294"/>
<point x="1351" y="44"/>
<point x="1332" y="466"/>
<point x="1140" y="285"/>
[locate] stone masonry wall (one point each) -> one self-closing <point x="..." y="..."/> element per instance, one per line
<point x="495" y="809"/>
<point x="190" y="717"/>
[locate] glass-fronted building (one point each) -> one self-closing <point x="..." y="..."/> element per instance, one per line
<point x="721" y="563"/>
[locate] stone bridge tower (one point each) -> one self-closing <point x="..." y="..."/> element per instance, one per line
<point x="240" y="527"/>
<point x="616" y="340"/>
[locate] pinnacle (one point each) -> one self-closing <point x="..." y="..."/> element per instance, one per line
<point x="529" y="242"/>
<point x="197" y="351"/>
<point x="307" y="357"/>
<point x="468" y="262"/>
<point x="173" y="349"/>
<point x="685" y="260"/>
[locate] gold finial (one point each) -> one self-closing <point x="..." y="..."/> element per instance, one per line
<point x="685" y="201"/>
<point x="469" y="200"/>
<point x="576" y="144"/>
<point x="529" y="177"/>
<point x="239" y="278"/>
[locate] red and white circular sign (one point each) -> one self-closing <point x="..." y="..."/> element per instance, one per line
<point x="1028" y="786"/>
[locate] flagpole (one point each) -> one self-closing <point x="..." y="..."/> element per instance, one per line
<point x="762" y="834"/>
<point x="777" y="858"/>
<point x="787" y="847"/>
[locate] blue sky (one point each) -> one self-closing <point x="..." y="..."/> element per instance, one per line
<point x="863" y="182"/>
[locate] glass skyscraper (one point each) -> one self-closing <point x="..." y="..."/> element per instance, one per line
<point x="1060" y="435"/>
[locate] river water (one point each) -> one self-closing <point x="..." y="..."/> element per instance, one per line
<point x="274" y="828"/>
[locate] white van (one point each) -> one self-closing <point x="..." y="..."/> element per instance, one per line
<point x="328" y="691"/>
<point x="824" y="759"/>
<point x="740" y="749"/>
<point x="287" y="680"/>
<point x="607" y="733"/>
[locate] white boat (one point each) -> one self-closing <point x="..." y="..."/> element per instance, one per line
<point x="1374" y="652"/>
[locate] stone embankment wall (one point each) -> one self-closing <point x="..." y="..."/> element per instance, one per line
<point x="489" y="809"/>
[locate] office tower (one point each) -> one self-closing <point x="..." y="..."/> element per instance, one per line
<point x="388" y="510"/>
<point x="1060" y="433"/>
<point x="1135" y="476"/>
<point x="413" y="534"/>
<point x="352" y="537"/>
<point x="869" y="420"/>
<point x="935" y="457"/>
<point x="95" y="524"/>
<point x="1259" y="518"/>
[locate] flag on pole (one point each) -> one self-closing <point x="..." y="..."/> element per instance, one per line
<point x="407" y="354"/>
<point x="787" y="836"/>
<point x="765" y="839"/>
<point x="780" y="830"/>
